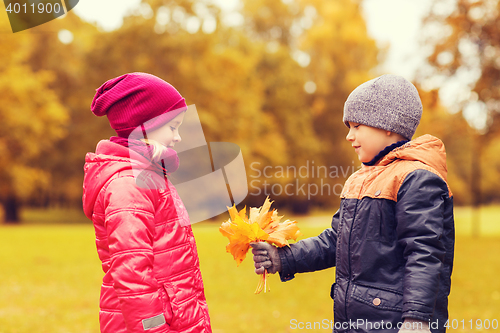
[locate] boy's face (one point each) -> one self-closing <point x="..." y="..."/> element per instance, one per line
<point x="368" y="141"/>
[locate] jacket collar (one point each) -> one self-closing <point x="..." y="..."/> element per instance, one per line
<point x="426" y="149"/>
<point x="385" y="151"/>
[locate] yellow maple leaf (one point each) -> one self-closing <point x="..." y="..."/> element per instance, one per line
<point x="261" y="215"/>
<point x="280" y="235"/>
<point x="261" y="225"/>
<point x="241" y="233"/>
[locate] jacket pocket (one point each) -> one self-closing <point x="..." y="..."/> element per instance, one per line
<point x="332" y="290"/>
<point x="167" y="305"/>
<point x="378" y="298"/>
<point x="184" y="306"/>
<point x="381" y="221"/>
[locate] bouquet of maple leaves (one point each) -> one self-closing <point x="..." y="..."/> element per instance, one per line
<point x="261" y="225"/>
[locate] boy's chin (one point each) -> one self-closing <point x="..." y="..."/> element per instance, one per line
<point x="364" y="159"/>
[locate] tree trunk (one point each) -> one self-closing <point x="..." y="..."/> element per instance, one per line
<point x="11" y="210"/>
<point x="301" y="206"/>
<point x="475" y="183"/>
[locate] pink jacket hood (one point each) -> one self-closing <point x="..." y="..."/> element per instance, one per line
<point x="109" y="159"/>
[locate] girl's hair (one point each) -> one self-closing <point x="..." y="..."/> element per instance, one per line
<point x="158" y="149"/>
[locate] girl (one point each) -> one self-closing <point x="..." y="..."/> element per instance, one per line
<point x="152" y="278"/>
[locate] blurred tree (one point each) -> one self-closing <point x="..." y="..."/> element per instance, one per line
<point x="32" y="118"/>
<point x="457" y="138"/>
<point x="269" y="23"/>
<point x="464" y="37"/>
<point x="332" y="54"/>
<point x="213" y="70"/>
<point x="244" y="93"/>
<point x="490" y="182"/>
<point x="61" y="46"/>
<point x="342" y="57"/>
<point x="274" y="82"/>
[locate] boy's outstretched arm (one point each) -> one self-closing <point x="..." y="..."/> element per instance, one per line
<point x="308" y="255"/>
<point x="420" y="211"/>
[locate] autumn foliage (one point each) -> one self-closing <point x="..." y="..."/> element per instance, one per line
<point x="261" y="225"/>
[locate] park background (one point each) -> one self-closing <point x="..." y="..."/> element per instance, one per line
<point x="273" y="79"/>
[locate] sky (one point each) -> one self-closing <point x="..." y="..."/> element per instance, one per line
<point x="392" y="23"/>
<point x="396" y="24"/>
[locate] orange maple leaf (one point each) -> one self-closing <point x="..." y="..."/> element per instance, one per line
<point x="261" y="225"/>
<point x="241" y="233"/>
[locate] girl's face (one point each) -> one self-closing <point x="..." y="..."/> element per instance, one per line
<point x="168" y="134"/>
<point x="368" y="141"/>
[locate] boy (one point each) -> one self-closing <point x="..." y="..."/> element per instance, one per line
<point x="392" y="240"/>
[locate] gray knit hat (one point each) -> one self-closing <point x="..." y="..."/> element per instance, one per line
<point x="389" y="102"/>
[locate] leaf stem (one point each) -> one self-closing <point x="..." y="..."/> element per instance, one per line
<point x="265" y="280"/>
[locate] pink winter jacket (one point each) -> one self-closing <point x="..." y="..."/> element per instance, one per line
<point x="152" y="280"/>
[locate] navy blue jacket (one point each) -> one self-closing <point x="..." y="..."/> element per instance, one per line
<point x="391" y="241"/>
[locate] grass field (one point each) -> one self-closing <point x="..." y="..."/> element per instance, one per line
<point x="50" y="277"/>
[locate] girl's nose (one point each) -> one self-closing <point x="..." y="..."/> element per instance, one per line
<point x="177" y="138"/>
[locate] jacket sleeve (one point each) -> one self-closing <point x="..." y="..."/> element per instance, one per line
<point x="311" y="254"/>
<point x="419" y="216"/>
<point x="129" y="221"/>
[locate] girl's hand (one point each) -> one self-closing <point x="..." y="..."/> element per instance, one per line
<point x="414" y="326"/>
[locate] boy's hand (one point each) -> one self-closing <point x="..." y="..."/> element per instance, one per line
<point x="265" y="256"/>
<point x="414" y="326"/>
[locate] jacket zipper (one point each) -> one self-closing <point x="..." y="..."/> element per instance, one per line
<point x="358" y="199"/>
<point x="349" y="257"/>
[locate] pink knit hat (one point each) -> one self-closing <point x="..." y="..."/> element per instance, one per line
<point x="132" y="99"/>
